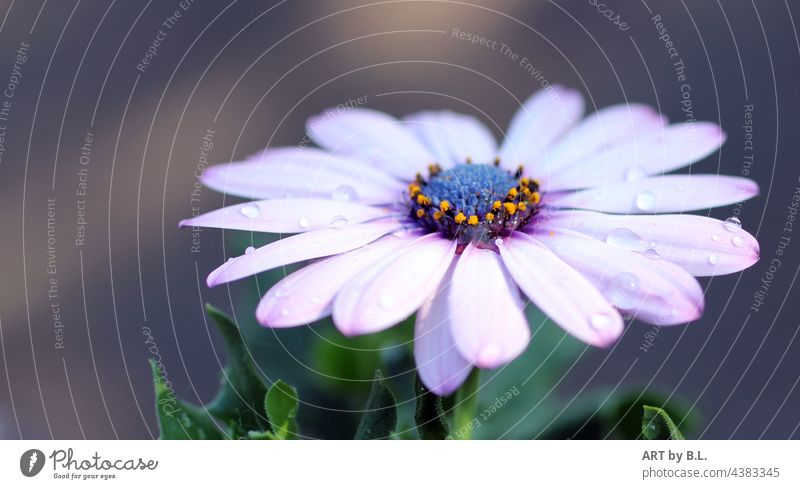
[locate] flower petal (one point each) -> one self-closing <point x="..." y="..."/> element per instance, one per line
<point x="452" y="137"/>
<point x="488" y="324"/>
<point x="603" y="129"/>
<point x="440" y="366"/>
<point x="309" y="172"/>
<point x="373" y="136"/>
<point x="668" y="193"/>
<point x="307" y="295"/>
<point x="560" y="291"/>
<point x="653" y="154"/>
<point x="652" y="290"/>
<point x="393" y="289"/>
<point x="544" y="117"/>
<point x="300" y="247"/>
<point x="287" y="215"/>
<point x="702" y="245"/>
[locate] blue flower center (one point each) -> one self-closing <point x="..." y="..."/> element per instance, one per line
<point x="473" y="202"/>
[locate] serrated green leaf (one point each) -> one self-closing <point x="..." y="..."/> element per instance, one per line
<point x="178" y="420"/>
<point x="657" y="425"/>
<point x="429" y="414"/>
<point x="239" y="400"/>
<point x="281" y="403"/>
<point x="380" y="414"/>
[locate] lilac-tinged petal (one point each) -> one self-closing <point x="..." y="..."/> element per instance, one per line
<point x="452" y="137"/>
<point x="372" y="136"/>
<point x="605" y="128"/>
<point x="559" y="291"/>
<point x="488" y="324"/>
<point x="307" y="295"/>
<point x="544" y="117"/>
<point x="440" y="366"/>
<point x="653" y="154"/>
<point x="310" y="172"/>
<point x="702" y="245"/>
<point x="393" y="289"/>
<point x="300" y="247"/>
<point x="287" y="215"/>
<point x="668" y="193"/>
<point x="653" y="290"/>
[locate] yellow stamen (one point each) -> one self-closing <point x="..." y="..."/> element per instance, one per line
<point x="496" y="205"/>
<point x="510" y="207"/>
<point x="522" y="206"/>
<point x="536" y="197"/>
<point x="524" y="181"/>
<point x="420" y="213"/>
<point x="512" y="194"/>
<point x="434" y="169"/>
<point x="413" y="189"/>
<point x="423" y="200"/>
<point x="437" y="215"/>
<point x="472" y="221"/>
<point x="460" y="217"/>
<point x="497" y="161"/>
<point x="535" y="182"/>
<point x="444" y="206"/>
<point x="489" y="217"/>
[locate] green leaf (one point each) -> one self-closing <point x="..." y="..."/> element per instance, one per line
<point x="281" y="403"/>
<point x="465" y="402"/>
<point x="178" y="420"/>
<point x="239" y="401"/>
<point x="657" y="425"/>
<point x="429" y="415"/>
<point x="380" y="413"/>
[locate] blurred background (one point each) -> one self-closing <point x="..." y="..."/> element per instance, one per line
<point x="106" y="108"/>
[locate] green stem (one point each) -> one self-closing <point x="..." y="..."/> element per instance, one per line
<point x="464" y="410"/>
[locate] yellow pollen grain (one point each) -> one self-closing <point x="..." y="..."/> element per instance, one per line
<point x="551" y="233"/>
<point x="512" y="194"/>
<point x="460" y="217"/>
<point x="420" y="213"/>
<point x="524" y="181"/>
<point x="414" y="189"/>
<point x="536" y="197"/>
<point x="423" y="200"/>
<point x="489" y="217"/>
<point x="472" y="221"/>
<point x="522" y="206"/>
<point x="510" y="207"/>
<point x="496" y="205"/>
<point x="437" y="215"/>
<point x="526" y="192"/>
<point x="444" y="206"/>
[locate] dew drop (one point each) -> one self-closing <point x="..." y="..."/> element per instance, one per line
<point x="622" y="290"/>
<point x="304" y="222"/>
<point x="339" y="222"/>
<point x="713" y="259"/>
<point x="401" y="233"/>
<point x="715" y="237"/>
<point x="733" y="224"/>
<point x="651" y="253"/>
<point x="251" y="211"/>
<point x="498" y="242"/>
<point x="344" y="193"/>
<point x="737" y="241"/>
<point x="386" y="301"/>
<point x="627" y="239"/>
<point x="249" y="250"/>
<point x="646" y="201"/>
<point x="634" y="173"/>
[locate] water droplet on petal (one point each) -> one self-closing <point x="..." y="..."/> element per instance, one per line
<point x="498" y="242"/>
<point x="252" y="211"/>
<point x="713" y="259"/>
<point x="401" y="233"/>
<point x="622" y="290"/>
<point x="249" y="250"/>
<point x="733" y="224"/>
<point x="344" y="193"/>
<point x="386" y="301"/>
<point x="625" y="238"/>
<point x="634" y="173"/>
<point x="651" y="253"/>
<point x="715" y="237"/>
<point x="600" y="320"/>
<point x="304" y="222"/>
<point x="339" y="222"/>
<point x="737" y="241"/>
<point x="646" y="201"/>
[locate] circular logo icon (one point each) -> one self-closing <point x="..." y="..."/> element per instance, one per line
<point x="31" y="462"/>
